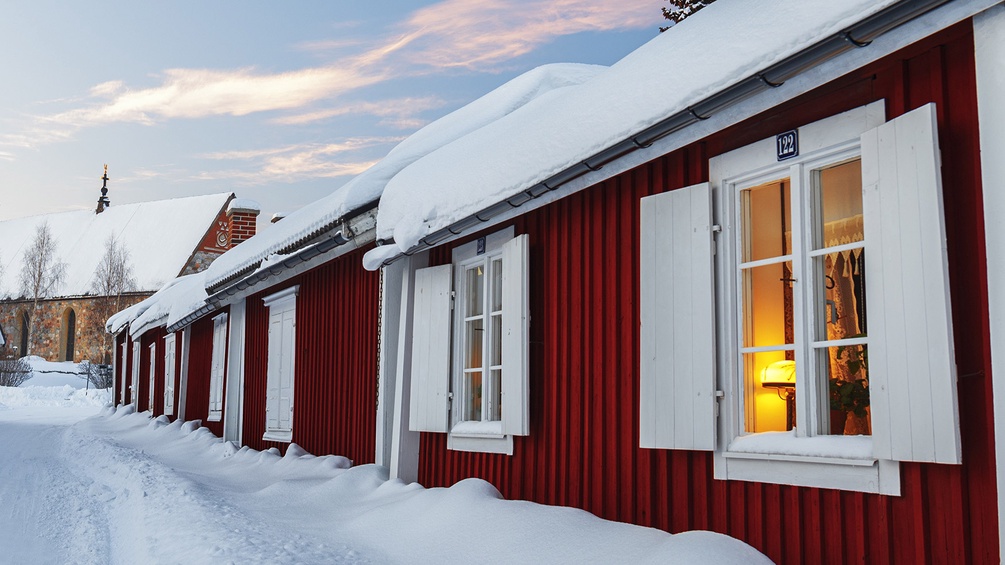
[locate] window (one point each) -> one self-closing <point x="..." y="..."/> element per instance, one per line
<point x="169" y="374"/>
<point x="786" y="363"/>
<point x="152" y="376"/>
<point x="218" y="368"/>
<point x="477" y="389"/>
<point x="282" y="357"/>
<point x="69" y="334"/>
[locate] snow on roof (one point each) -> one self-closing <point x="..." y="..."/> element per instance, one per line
<point x="367" y="187"/>
<point x="176" y="300"/>
<point x="726" y="43"/>
<point x="244" y="204"/>
<point x="174" y="228"/>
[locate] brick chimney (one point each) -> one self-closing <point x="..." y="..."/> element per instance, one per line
<point x="242" y="217"/>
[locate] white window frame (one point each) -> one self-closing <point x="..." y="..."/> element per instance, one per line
<point x="281" y="363"/>
<point x="438" y="346"/>
<point x="486" y="436"/>
<point x="170" y="353"/>
<point x="807" y="459"/>
<point x="218" y="367"/>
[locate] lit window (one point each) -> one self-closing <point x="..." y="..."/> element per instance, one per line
<point x="759" y="341"/>
<point x="821" y="275"/>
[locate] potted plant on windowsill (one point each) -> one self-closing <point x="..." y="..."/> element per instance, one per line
<point x="849" y="394"/>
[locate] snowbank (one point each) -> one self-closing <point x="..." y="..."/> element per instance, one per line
<point x="66" y="396"/>
<point x="183" y="495"/>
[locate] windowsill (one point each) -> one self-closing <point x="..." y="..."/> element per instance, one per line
<point x="480" y="437"/>
<point x="214" y="417"/>
<point x="835" y="462"/>
<point x="786" y="444"/>
<point x="278" y="435"/>
<point x="478" y="429"/>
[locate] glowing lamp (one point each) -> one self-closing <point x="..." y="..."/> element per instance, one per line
<point x="779" y="374"/>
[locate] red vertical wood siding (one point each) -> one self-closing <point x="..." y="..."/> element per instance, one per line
<point x="200" y="363"/>
<point x="335" y="374"/>
<point x="142" y="384"/>
<point x="155" y="335"/>
<point x="582" y="450"/>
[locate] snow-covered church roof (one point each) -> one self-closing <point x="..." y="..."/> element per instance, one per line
<point x="160" y="237"/>
<point x="726" y="45"/>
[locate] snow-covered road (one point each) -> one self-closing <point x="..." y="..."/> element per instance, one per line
<point x="81" y="484"/>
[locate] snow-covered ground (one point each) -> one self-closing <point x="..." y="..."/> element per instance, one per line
<point x="86" y="484"/>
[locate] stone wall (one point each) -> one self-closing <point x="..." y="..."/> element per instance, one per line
<point x="49" y="338"/>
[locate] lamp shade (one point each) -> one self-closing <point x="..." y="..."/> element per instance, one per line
<point x="779" y="373"/>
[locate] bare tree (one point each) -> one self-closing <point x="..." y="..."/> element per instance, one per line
<point x="98" y="376"/>
<point x="13" y="370"/>
<point x="112" y="277"/>
<point x="42" y="274"/>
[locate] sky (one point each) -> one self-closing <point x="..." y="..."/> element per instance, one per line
<point x="278" y="102"/>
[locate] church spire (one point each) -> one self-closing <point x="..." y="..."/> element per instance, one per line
<point x="103" y="201"/>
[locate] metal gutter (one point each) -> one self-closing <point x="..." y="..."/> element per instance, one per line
<point x="213" y="288"/>
<point x="348" y="231"/>
<point x="857" y="36"/>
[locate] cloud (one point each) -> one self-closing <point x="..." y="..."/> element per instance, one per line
<point x="480" y="35"/>
<point x="394" y="110"/>
<point x="472" y="35"/>
<point x="297" y="162"/>
<point x="198" y="93"/>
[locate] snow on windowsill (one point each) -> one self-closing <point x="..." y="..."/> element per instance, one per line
<point x="480" y="429"/>
<point x="787" y="444"/>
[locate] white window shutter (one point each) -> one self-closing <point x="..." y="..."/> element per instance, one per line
<point x="677" y="389"/>
<point x="152" y="377"/>
<point x="134" y="382"/>
<point x="219" y="363"/>
<point x="912" y="365"/>
<point x="274" y="369"/>
<point x="515" y="337"/>
<point x="169" y="374"/>
<point x="429" y="400"/>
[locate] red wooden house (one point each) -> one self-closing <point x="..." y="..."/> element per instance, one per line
<point x="649" y="296"/>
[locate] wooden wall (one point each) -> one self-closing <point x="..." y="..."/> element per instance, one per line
<point x="583" y="447"/>
<point x="335" y="375"/>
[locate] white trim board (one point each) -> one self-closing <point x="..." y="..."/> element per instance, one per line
<point x="989" y="50"/>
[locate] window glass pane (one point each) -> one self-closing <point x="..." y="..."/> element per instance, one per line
<point x="767" y="305"/>
<point x="496" y="339"/>
<point x="473" y="396"/>
<point x="841" y="295"/>
<point x="839" y="205"/>
<point x="495" y="395"/>
<point x="767" y="221"/>
<point x="497" y="285"/>
<point x="846" y="370"/>
<point x="770" y="383"/>
<point x="473" y="335"/>
<point x="475" y="283"/>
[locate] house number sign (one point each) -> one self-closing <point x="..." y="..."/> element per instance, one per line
<point x="787" y="144"/>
